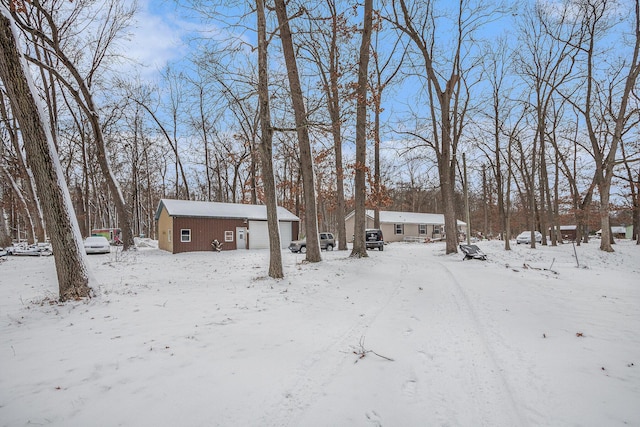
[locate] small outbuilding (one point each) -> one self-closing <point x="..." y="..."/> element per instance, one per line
<point x="405" y="226"/>
<point x="618" y="232"/>
<point x="190" y="226"/>
<point x="567" y="232"/>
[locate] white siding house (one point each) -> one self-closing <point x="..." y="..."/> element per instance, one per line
<point x="405" y="226"/>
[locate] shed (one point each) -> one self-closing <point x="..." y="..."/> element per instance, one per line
<point x="405" y="226"/>
<point x="567" y="232"/>
<point x="618" y="232"/>
<point x="189" y="226"/>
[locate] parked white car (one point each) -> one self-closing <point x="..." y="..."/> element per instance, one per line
<point x="525" y="237"/>
<point x="24" y="249"/>
<point x="97" y="245"/>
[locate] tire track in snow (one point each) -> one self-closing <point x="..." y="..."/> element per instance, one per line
<point x="316" y="373"/>
<point x="448" y="374"/>
<point x="487" y="377"/>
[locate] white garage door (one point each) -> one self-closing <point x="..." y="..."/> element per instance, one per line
<point x="259" y="234"/>
<point x="285" y="234"/>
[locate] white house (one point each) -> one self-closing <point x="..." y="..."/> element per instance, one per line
<point x="619" y="232"/>
<point x="402" y="226"/>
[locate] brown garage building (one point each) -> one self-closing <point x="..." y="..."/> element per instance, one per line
<point x="188" y="226"/>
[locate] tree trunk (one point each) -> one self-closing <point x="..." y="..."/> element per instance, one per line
<point x="507" y="198"/>
<point x="636" y="209"/>
<point x="20" y="197"/>
<point x="71" y="266"/>
<point x="545" y="206"/>
<point x="486" y="228"/>
<point x="333" y="101"/>
<point x="603" y="211"/>
<point x="447" y="187"/>
<point x="266" y="149"/>
<point x="306" y="158"/>
<point x="359" y="246"/>
<point x="636" y="217"/>
<point x="341" y="227"/>
<point x="5" y="237"/>
<point x="532" y="191"/>
<point x="554" y="227"/>
<point x="33" y="210"/>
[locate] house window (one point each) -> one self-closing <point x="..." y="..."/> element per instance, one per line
<point x="169" y="236"/>
<point x="436" y="229"/>
<point x="185" y="235"/>
<point x="399" y="228"/>
<point x="422" y="229"/>
<point x="228" y="236"/>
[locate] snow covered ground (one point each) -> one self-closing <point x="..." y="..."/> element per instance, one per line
<point x="206" y="339"/>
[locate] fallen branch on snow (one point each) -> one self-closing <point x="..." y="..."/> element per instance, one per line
<point x="528" y="266"/>
<point x="362" y="352"/>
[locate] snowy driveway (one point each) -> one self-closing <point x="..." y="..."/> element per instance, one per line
<point x="443" y="372"/>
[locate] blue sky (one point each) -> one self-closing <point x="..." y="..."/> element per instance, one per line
<point x="158" y="35"/>
<point x="162" y="32"/>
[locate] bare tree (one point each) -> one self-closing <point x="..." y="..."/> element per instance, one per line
<point x="20" y="173"/>
<point x="71" y="266"/>
<point x="546" y="62"/>
<point x="359" y="245"/>
<point x="612" y="100"/>
<point x="632" y="178"/>
<point x="5" y="237"/>
<point x="573" y="168"/>
<point x="47" y="37"/>
<point x="173" y="143"/>
<point x="240" y="99"/>
<point x="385" y="70"/>
<point x="266" y="147"/>
<point x="447" y="89"/>
<point x="497" y="149"/>
<point x="327" y="49"/>
<point x="204" y="115"/>
<point x="302" y="129"/>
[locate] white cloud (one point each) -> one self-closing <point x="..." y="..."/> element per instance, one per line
<point x="157" y="36"/>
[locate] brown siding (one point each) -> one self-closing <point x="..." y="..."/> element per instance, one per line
<point x="568" y="235"/>
<point x="203" y="232"/>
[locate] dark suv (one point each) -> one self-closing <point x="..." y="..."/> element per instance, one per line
<point x="374" y="239"/>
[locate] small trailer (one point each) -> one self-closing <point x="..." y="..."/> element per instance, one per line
<point x="113" y="235"/>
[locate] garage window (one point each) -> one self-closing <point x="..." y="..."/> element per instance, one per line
<point x="228" y="236"/>
<point x="185" y="235"/>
